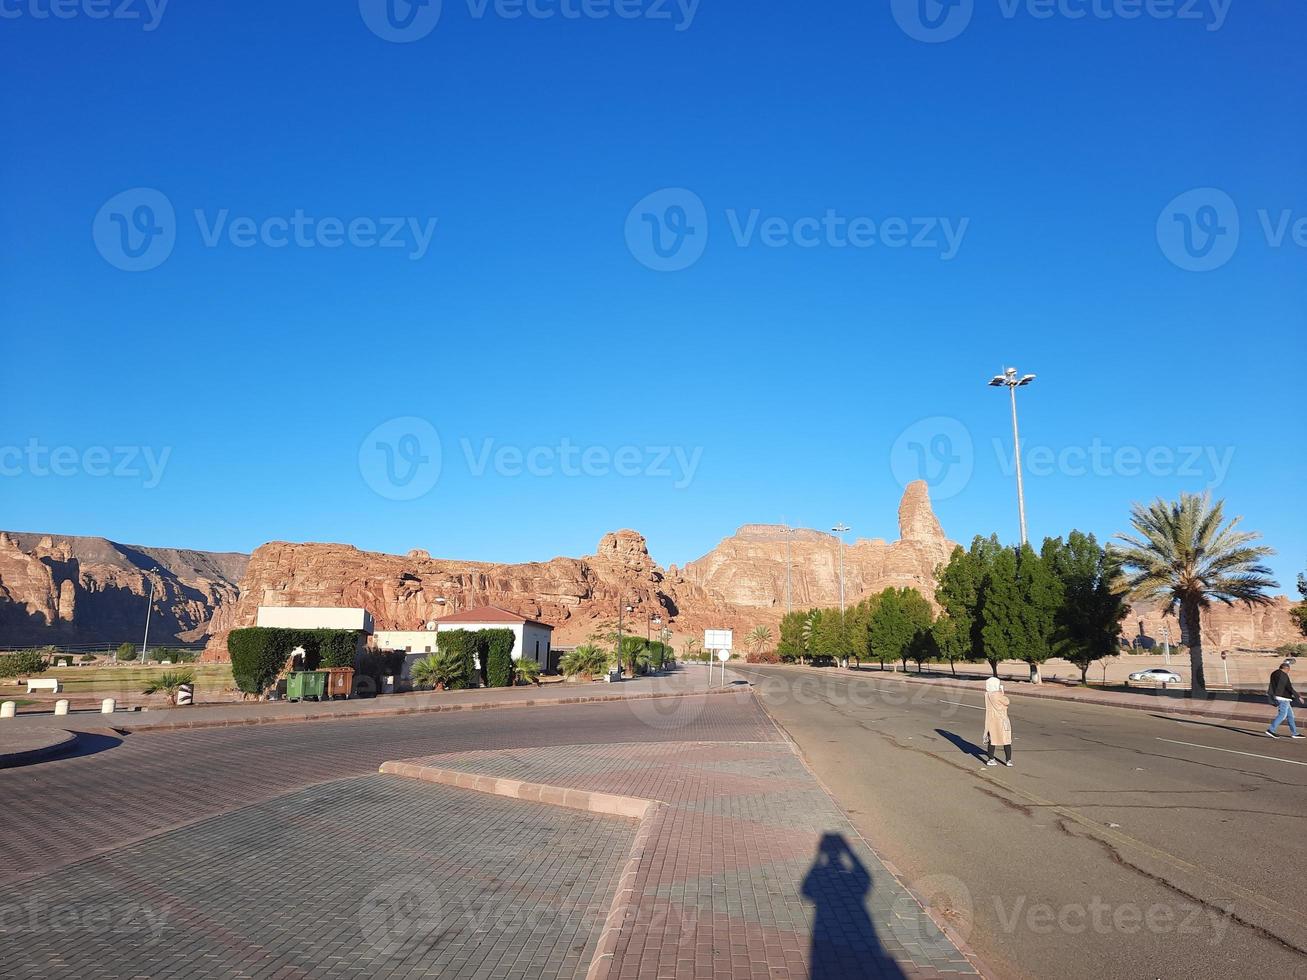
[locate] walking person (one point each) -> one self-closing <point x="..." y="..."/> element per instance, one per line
<point x="998" y="728"/>
<point x="1282" y="695"/>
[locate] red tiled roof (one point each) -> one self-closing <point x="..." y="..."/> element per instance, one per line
<point x="489" y="614"/>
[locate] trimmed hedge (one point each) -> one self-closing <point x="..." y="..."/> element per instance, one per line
<point x="499" y="657"/>
<point x="258" y="653"/>
<point x="22" y="663"/>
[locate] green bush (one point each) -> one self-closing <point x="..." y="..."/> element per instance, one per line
<point x="128" y="651"/>
<point x="440" y="669"/>
<point x="526" y="670"/>
<point x="259" y="653"/>
<point x="463" y="645"/>
<point x="585" y="661"/>
<point x="22" y="663"/>
<point x="499" y="657"/>
<point x="1291" y="650"/>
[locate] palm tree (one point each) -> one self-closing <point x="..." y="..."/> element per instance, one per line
<point x="442" y="670"/>
<point x="169" y="683"/>
<point x="1185" y="555"/>
<point x="759" y="638"/>
<point x="527" y="671"/>
<point x="809" y="628"/>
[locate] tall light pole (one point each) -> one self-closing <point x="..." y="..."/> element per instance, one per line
<point x="1009" y="380"/>
<point x="145" y="643"/>
<point x="789" y="570"/>
<point x="620" y="607"/>
<point x="841" y="529"/>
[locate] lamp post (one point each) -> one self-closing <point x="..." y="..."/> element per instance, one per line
<point x="1166" y="643"/>
<point x="1009" y="380"/>
<point x="789" y="570"/>
<point x="841" y="529"/>
<point x="145" y="642"/>
<point x="620" y="607"/>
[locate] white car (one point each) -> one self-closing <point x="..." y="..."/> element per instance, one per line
<point x="1158" y="675"/>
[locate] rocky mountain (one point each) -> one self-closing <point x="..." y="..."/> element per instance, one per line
<point x="82" y="590"/>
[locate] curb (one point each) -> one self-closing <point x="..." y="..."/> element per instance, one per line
<point x="25" y="757"/>
<point x="400" y="712"/>
<point x="610" y="804"/>
<point x="574" y="799"/>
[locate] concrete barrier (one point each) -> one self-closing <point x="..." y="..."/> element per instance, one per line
<point x="8" y="709"/>
<point x="61" y="706"/>
<point x="107" y="706"/>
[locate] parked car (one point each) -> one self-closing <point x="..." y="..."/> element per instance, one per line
<point x="1157" y="675"/>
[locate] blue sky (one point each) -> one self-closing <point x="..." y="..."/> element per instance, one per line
<point x="1019" y="193"/>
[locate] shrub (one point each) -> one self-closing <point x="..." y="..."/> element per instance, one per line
<point x="526" y="670"/>
<point x="1292" y="650"/>
<point x="127" y="651"/>
<point x="585" y="661"/>
<point x="259" y="653"/>
<point x="445" y="669"/>
<point x="463" y="645"/>
<point x="498" y="657"/>
<point x="336" y="648"/>
<point x="169" y="682"/>
<point x="22" y="663"/>
<point x="765" y="657"/>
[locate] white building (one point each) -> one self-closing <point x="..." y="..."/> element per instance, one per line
<point x="315" y="618"/>
<point x="531" y="638"/>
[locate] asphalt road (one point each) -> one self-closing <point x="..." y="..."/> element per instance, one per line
<point x="1121" y="844"/>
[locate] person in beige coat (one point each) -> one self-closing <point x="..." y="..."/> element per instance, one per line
<point x="998" y="728"/>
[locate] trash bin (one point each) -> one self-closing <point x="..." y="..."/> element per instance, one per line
<point x="306" y="684"/>
<point x="340" y="681"/>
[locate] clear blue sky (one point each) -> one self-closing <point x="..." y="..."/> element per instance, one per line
<point x="794" y="374"/>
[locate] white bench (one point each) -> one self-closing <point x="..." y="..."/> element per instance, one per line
<point x="50" y="684"/>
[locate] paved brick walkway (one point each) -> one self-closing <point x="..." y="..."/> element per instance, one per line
<point x="750" y="869"/>
<point x="368" y="877"/>
<point x="146" y="783"/>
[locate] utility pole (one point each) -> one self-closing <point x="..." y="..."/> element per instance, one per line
<point x="1008" y="379"/>
<point x="145" y="643"/>
<point x="841" y="529"/>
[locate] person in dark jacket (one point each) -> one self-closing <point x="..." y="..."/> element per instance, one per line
<point x="1282" y="695"/>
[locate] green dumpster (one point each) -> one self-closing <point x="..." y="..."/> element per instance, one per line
<point x="306" y="684"/>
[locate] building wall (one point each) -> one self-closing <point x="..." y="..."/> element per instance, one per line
<point x="534" y="644"/>
<point x="411" y="641"/>
<point x="314" y="618"/>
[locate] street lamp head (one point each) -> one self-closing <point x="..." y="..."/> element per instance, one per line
<point x="1026" y="380"/>
<point x="841" y="528"/>
<point x="998" y="381"/>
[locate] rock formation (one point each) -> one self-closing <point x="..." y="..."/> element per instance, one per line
<point x="78" y="590"/>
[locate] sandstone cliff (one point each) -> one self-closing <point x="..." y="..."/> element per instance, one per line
<point x="81" y="590"/>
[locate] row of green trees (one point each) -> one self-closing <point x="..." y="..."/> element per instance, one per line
<point x="995" y="603"/>
<point x="1067" y="600"/>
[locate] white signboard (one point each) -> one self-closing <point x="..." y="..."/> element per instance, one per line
<point x="723" y="655"/>
<point x="717" y="639"/>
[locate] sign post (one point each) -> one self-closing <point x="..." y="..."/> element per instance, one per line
<point x="721" y="642"/>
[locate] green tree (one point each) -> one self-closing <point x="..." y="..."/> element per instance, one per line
<point x="958" y="593"/>
<point x="526" y="671"/>
<point x="759" y="637"/>
<point x="791" y="645"/>
<point x="587" y="661"/>
<point x="1299" y="612"/>
<point x="1093" y="599"/>
<point x="900" y="615"/>
<point x="1185" y="554"/>
<point x="127" y="651"/>
<point x="952" y="641"/>
<point x="1019" y="600"/>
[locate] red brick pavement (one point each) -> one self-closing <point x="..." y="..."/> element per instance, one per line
<point x="731" y="876"/>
